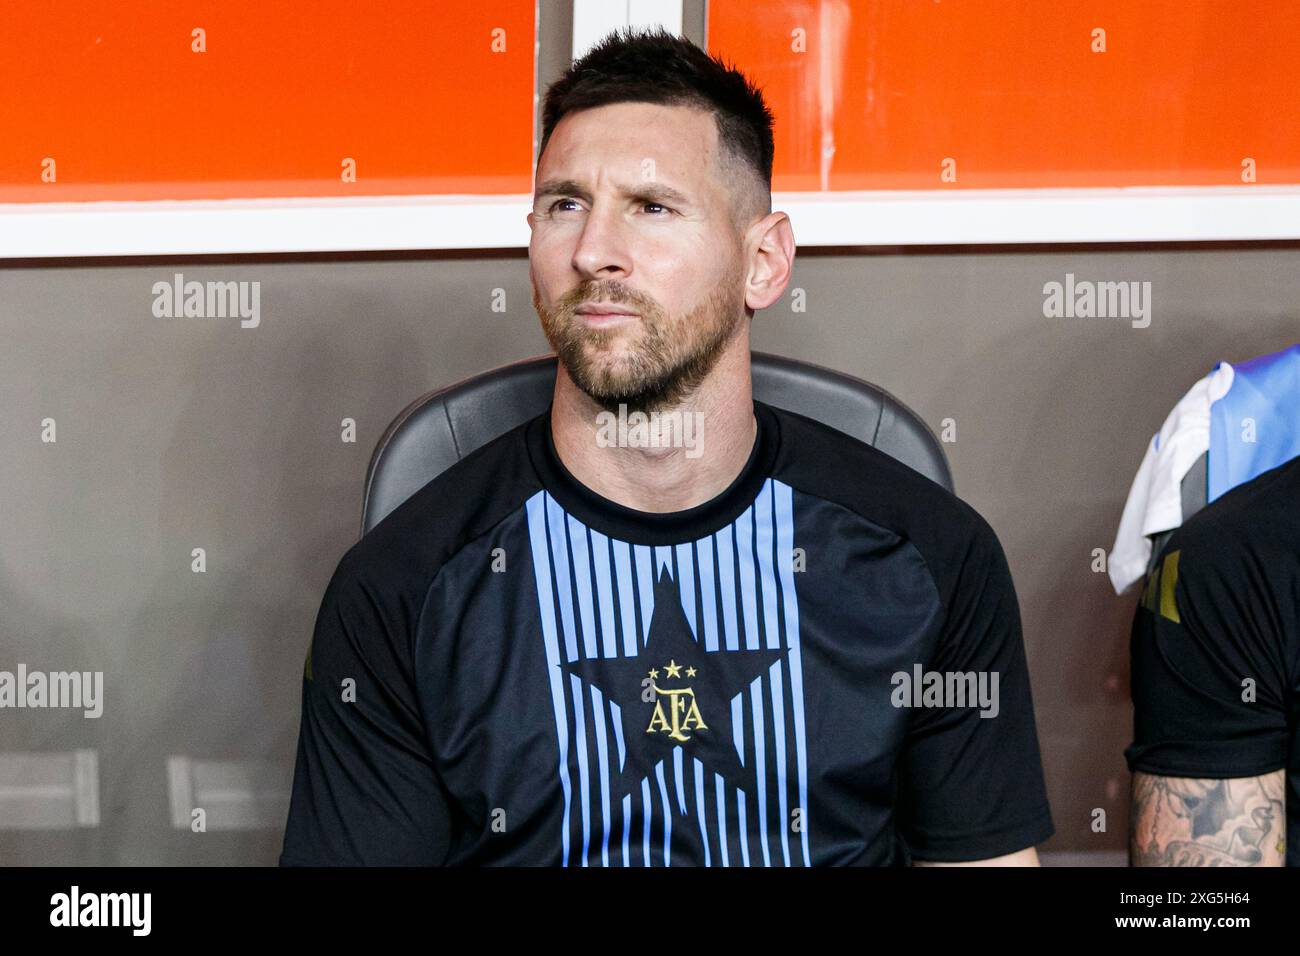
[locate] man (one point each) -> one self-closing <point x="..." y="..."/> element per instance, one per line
<point x="583" y="647"/>
<point x="1216" y="685"/>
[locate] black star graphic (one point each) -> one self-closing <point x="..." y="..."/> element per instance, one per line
<point x="718" y="677"/>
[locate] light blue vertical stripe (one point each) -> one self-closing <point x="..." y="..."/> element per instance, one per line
<point x="602" y="758"/>
<point x="645" y="589"/>
<point x="686" y="585"/>
<point x="668" y="814"/>
<point x="700" y="557"/>
<point x="646" y="814"/>
<point x="663" y="559"/>
<point x="605" y="591"/>
<point x="744" y="825"/>
<point x="727" y="582"/>
<point x="617" y="714"/>
<point x="560" y="556"/>
<point x="720" y="796"/>
<point x="708" y="592"/>
<point x="760" y="762"/>
<point x="627" y="828"/>
<point x="778" y="741"/>
<point x="700" y="808"/>
<point x="580" y="745"/>
<point x="748" y="586"/>
<point x="738" y="727"/>
<point x="582" y="577"/>
<point x="535" y="508"/>
<point x="766" y="547"/>
<point x="626" y="597"/>
<point x="679" y="785"/>
<point x="785" y="546"/>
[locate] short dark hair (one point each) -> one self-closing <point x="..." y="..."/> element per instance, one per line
<point x="654" y="66"/>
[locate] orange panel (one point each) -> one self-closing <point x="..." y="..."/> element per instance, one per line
<point x="1013" y="93"/>
<point x="412" y="90"/>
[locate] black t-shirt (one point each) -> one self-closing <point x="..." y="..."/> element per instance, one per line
<point x="1218" y="624"/>
<point x="510" y="669"/>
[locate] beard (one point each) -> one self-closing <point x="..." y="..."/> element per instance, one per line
<point x="662" y="359"/>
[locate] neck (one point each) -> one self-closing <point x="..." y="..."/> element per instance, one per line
<point x="663" y="479"/>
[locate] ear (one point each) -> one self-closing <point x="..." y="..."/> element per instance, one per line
<point x="772" y="265"/>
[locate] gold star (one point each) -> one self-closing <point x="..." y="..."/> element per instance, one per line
<point x="690" y="672"/>
<point x="653" y="673"/>
<point x="673" y="669"/>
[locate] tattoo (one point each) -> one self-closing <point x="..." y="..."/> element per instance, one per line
<point x="1182" y="821"/>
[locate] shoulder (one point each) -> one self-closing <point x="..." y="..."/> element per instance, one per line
<point x="1243" y="542"/>
<point x="822" y="462"/>
<point x="1262" y="509"/>
<point x="412" y="543"/>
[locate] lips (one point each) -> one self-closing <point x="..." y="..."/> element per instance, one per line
<point x="600" y="320"/>
<point x="603" y="315"/>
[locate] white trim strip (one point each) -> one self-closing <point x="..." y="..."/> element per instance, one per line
<point x="263" y="225"/>
<point x="995" y="216"/>
<point x="881" y="218"/>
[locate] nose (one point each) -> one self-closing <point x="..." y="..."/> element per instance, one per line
<point x="602" y="251"/>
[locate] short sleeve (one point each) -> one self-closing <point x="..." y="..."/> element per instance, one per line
<point x="365" y="790"/>
<point x="971" y="777"/>
<point x="1209" y="667"/>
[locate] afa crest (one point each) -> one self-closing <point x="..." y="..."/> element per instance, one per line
<point x="683" y="709"/>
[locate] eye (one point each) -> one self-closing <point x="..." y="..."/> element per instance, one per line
<point x="556" y="203"/>
<point x="657" y="206"/>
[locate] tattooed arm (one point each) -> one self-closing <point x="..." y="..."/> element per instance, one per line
<point x="1182" y="821"/>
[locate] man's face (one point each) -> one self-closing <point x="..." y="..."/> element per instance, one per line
<point x="630" y="212"/>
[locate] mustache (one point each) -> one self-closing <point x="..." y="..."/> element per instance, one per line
<point x="570" y="304"/>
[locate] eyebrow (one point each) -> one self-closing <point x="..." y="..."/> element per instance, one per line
<point x="644" y="192"/>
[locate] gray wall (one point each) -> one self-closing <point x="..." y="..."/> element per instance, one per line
<point x="182" y="433"/>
